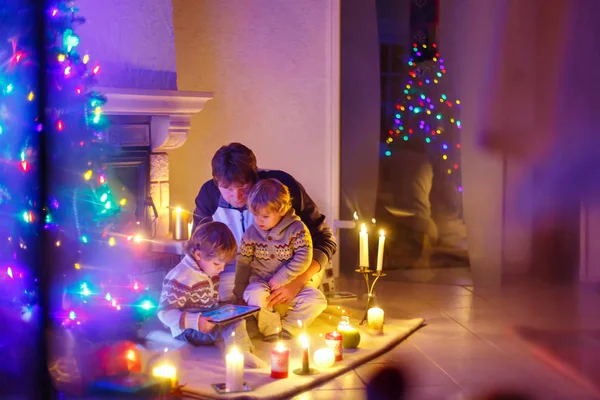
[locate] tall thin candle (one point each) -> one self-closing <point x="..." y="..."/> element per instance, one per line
<point x="380" y="249"/>
<point x="363" y="247"/>
<point x="305" y="361"/>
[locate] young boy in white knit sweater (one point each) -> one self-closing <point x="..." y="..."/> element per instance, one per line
<point x="192" y="287"/>
<point x="273" y="251"/>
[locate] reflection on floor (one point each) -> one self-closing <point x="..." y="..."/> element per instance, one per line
<point x="539" y="338"/>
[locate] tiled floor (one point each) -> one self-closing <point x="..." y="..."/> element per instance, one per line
<point x="471" y="343"/>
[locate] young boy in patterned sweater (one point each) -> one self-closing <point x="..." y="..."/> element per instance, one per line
<point x="273" y="251"/>
<point x="192" y="287"/>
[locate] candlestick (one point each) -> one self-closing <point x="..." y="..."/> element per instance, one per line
<point x="333" y="340"/>
<point x="306" y="369"/>
<point x="166" y="371"/>
<point x="363" y="247"/>
<point x="375" y="320"/>
<point x="380" y="251"/>
<point x="280" y="361"/>
<point x="178" y="225"/>
<point x="324" y="358"/>
<point x="234" y="370"/>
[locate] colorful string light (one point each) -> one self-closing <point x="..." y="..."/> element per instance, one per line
<point x="425" y="114"/>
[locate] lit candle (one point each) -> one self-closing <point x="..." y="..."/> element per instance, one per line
<point x="324" y="358"/>
<point x="375" y="320"/>
<point x="350" y="335"/>
<point x="166" y="371"/>
<point x="234" y="370"/>
<point x="380" y="251"/>
<point x="280" y="361"/>
<point x="363" y="247"/>
<point x="333" y="340"/>
<point x="190" y="227"/>
<point x="305" y="362"/>
<point x="178" y="233"/>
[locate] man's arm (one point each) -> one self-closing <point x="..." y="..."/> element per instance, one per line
<point x="242" y="267"/>
<point x="206" y="203"/>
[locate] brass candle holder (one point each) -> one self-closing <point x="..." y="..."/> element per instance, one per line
<point x="367" y="273"/>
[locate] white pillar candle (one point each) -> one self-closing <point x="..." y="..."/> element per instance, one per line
<point x="363" y="247"/>
<point x="375" y="320"/>
<point x="324" y="358"/>
<point x="234" y="370"/>
<point x="380" y="251"/>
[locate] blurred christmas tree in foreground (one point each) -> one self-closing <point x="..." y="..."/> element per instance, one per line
<point x="91" y="292"/>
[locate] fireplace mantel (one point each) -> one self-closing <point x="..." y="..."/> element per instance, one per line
<point x="170" y="111"/>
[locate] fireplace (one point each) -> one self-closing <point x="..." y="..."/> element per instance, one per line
<point x="144" y="126"/>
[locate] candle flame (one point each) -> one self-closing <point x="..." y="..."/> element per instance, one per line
<point x="280" y="346"/>
<point x="178" y="210"/>
<point x="382" y="233"/>
<point x="355" y="216"/>
<point x="363" y="228"/>
<point x="304" y="341"/>
<point x="131" y="355"/>
<point x="300" y="323"/>
<point x="374" y="221"/>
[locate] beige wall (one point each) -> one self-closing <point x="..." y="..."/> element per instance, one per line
<point x="132" y="40"/>
<point x="269" y="65"/>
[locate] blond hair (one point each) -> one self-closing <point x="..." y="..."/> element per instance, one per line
<point x="212" y="240"/>
<point x="269" y="195"/>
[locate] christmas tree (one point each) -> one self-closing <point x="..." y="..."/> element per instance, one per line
<point x="427" y="113"/>
<point x="76" y="210"/>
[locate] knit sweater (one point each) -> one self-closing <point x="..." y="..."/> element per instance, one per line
<point x="186" y="292"/>
<point x="280" y="254"/>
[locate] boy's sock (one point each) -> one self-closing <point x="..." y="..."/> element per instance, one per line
<point x="253" y="361"/>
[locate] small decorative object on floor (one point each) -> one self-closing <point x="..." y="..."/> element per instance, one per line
<point x="350" y="335"/>
<point x="139" y="386"/>
<point x="333" y="340"/>
<point x="324" y="358"/>
<point x="280" y="361"/>
<point x="166" y="371"/>
<point x="375" y="320"/>
<point x="234" y="370"/>
<point x="306" y="369"/>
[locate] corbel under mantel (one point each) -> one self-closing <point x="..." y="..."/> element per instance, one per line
<point x="170" y="111"/>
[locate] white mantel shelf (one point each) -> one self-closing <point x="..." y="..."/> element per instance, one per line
<point x="170" y="111"/>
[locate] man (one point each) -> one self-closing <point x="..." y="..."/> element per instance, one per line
<point x="224" y="199"/>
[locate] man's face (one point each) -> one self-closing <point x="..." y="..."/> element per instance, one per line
<point x="235" y="193"/>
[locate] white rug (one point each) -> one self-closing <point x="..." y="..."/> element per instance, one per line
<point x="199" y="368"/>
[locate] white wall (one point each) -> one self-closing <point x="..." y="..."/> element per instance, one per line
<point x="132" y="40"/>
<point x="269" y="65"/>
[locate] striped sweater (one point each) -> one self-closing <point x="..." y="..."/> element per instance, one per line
<point x="186" y="292"/>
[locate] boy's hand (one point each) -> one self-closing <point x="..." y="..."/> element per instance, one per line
<point x="273" y="285"/>
<point x="204" y="324"/>
<point x="239" y="302"/>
